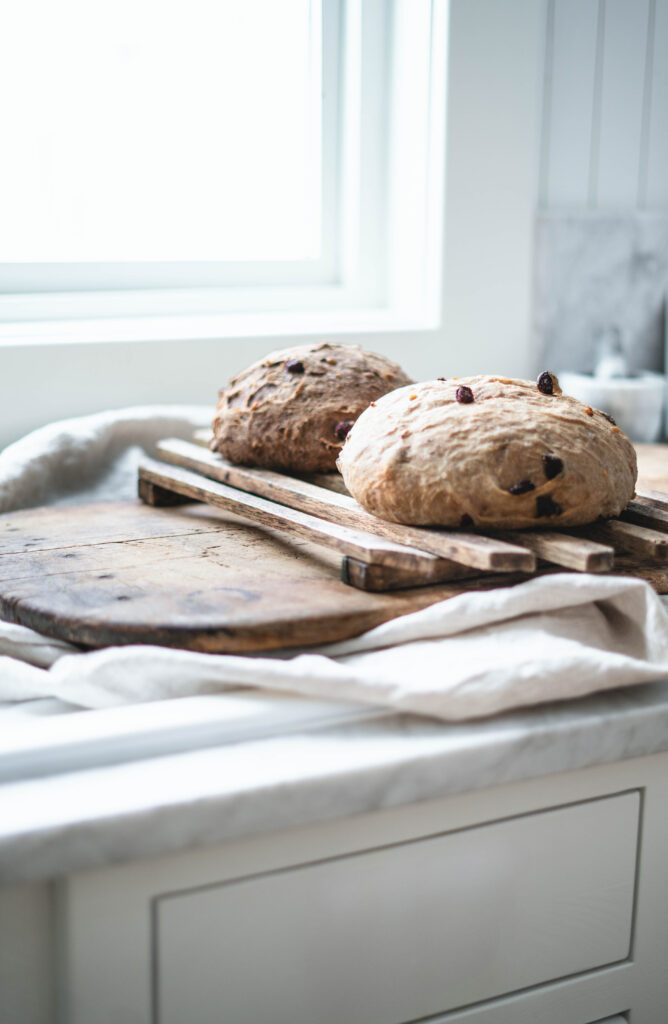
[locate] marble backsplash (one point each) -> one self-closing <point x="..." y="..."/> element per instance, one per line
<point x="596" y="273"/>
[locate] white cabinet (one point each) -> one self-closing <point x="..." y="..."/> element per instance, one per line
<point x="541" y="902"/>
<point x="387" y="935"/>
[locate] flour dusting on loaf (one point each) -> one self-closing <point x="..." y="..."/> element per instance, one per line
<point x="489" y="452"/>
<point x="293" y="409"/>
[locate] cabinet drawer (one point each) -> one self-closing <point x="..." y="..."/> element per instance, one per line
<point x="404" y="931"/>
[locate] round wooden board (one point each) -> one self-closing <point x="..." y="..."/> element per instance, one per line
<point x="189" y="577"/>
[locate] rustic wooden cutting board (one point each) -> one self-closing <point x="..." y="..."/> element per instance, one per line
<point x="197" y="578"/>
<point x="189" y="577"/>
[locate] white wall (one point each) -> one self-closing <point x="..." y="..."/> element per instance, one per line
<point x="492" y="159"/>
<point x="605" y="105"/>
<point x="601" y="258"/>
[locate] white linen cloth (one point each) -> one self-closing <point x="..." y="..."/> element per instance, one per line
<point x="89" y="458"/>
<point x="551" y="638"/>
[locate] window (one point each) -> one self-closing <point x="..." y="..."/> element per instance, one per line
<point x="388" y="278"/>
<point x="168" y="146"/>
<point x="224" y="156"/>
<point x="167" y="133"/>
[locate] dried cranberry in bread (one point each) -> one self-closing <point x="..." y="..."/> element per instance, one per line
<point x="293" y="409"/>
<point x="489" y="452"/>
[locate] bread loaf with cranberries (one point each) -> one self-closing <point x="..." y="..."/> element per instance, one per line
<point x="489" y="452"/>
<point x="293" y="409"/>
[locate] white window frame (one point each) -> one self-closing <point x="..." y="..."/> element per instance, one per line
<point x="350" y="270"/>
<point x="452" y="302"/>
<point x="374" y="148"/>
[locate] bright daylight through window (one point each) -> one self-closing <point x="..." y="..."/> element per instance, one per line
<point x="223" y="158"/>
<point x="148" y="131"/>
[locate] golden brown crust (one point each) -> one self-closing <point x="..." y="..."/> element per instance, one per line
<point x="511" y="457"/>
<point x="292" y="409"/>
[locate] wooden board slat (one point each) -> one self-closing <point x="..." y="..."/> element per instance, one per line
<point x="636" y="540"/>
<point x="203" y="437"/>
<point x="469" y="549"/>
<point x="654" y="499"/>
<point x="368" y="576"/>
<point x="365" y="547"/>
<point x="646" y="513"/>
<point x="549" y="545"/>
<point x="565" y="550"/>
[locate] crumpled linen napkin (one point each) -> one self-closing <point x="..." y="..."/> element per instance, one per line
<point x="552" y="638"/>
<point x="89" y="458"/>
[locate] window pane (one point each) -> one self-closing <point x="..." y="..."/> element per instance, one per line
<point x="160" y="130"/>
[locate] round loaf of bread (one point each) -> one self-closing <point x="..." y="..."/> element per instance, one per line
<point x="293" y="409"/>
<point x="488" y="452"/>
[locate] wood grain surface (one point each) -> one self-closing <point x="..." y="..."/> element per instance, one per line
<point x="640" y="541"/>
<point x="194" y="577"/>
<point x="188" y="576"/>
<point x="647" y="511"/>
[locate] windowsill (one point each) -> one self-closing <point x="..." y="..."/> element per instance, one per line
<point x="221" y="326"/>
<point x="55" y="369"/>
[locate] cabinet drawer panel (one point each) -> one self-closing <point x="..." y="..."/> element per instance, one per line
<point x="401" y="932"/>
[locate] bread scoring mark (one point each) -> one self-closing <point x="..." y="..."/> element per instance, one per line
<point x="260" y="394"/>
<point x="234" y="399"/>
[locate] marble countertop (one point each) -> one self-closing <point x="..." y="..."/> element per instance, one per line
<point x="85" y="818"/>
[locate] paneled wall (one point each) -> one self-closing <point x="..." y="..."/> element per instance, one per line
<point x="604" y="139"/>
<point x="601" y="242"/>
